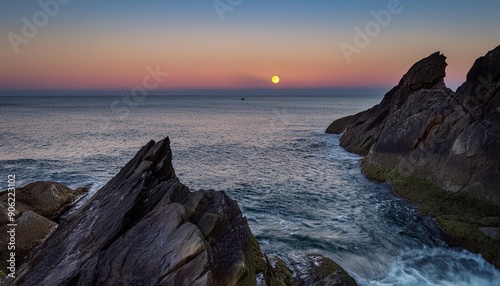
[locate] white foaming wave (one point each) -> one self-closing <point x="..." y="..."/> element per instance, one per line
<point x="437" y="266"/>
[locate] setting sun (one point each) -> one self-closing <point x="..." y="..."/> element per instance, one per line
<point x="275" y="79"/>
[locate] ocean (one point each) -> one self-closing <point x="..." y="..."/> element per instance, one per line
<point x="299" y="190"/>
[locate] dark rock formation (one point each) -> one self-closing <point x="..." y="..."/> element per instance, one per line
<point x="320" y="271"/>
<point x="143" y="228"/>
<point x="424" y="129"/>
<point x="439" y="148"/>
<point x="146" y="228"/>
<point x="326" y="272"/>
<point x="381" y="121"/>
<point x="37" y="206"/>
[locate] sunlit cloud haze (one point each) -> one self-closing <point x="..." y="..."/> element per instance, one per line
<point x="107" y="45"/>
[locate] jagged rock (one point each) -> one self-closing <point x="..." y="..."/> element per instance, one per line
<point x="424" y="129"/>
<point x="365" y="128"/>
<point x="143" y="228"/>
<point x="146" y="228"/>
<point x="440" y="149"/>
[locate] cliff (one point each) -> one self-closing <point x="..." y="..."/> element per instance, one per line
<point x="439" y="148"/>
<point x="144" y="227"/>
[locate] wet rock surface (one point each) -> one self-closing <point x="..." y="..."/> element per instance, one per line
<point x="144" y="227"/>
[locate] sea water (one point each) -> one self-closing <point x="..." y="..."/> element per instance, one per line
<point x="300" y="191"/>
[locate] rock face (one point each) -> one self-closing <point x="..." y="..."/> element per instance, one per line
<point x="37" y="206"/>
<point x="424" y="129"/>
<point x="146" y="228"/>
<point x="437" y="146"/>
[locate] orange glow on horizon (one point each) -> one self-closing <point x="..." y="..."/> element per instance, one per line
<point x="99" y="62"/>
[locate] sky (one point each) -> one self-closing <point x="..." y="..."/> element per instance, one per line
<point x="322" y="46"/>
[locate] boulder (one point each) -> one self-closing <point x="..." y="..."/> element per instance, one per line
<point x="318" y="270"/>
<point x="325" y="272"/>
<point x="30" y="231"/>
<point x="37" y="205"/>
<point x="48" y="199"/>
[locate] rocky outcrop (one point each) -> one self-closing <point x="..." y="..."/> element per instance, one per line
<point x="324" y="271"/>
<point x="439" y="148"/>
<point x="48" y="199"/>
<point x="425" y="129"/>
<point x="144" y="227"/>
<point x="319" y="270"/>
<point x="37" y="207"/>
<point x="416" y="90"/>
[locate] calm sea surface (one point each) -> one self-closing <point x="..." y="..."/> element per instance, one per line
<point x="300" y="191"/>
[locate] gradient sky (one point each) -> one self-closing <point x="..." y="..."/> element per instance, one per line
<point x="107" y="45"/>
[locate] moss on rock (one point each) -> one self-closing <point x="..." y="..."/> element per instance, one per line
<point x="326" y="272"/>
<point x="278" y="274"/>
<point x="458" y="214"/>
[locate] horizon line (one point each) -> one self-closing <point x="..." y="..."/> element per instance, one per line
<point x="202" y="91"/>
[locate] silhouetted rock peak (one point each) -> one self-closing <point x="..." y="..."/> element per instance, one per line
<point x="478" y="96"/>
<point x="426" y="74"/>
<point x="487" y="67"/>
<point x="424" y="129"/>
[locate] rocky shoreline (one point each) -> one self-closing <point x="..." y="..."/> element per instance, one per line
<point x="144" y="227"/>
<point x="438" y="148"/>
